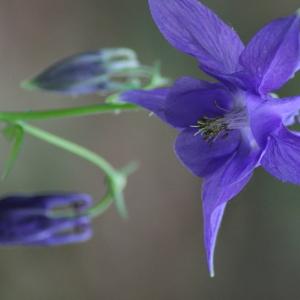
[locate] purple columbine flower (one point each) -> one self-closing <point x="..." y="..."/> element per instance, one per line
<point x="228" y="128"/>
<point x="44" y="220"/>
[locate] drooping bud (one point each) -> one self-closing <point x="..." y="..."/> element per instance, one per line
<point x="44" y="220"/>
<point x="87" y="73"/>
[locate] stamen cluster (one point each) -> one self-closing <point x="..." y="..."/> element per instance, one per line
<point x="211" y="128"/>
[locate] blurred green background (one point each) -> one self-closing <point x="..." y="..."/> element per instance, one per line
<point x="158" y="253"/>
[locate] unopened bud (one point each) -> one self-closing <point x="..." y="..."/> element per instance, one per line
<point x="86" y="73"/>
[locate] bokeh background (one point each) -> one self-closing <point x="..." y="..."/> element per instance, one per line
<point x="158" y="253"/>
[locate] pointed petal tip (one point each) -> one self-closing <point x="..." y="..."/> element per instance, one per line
<point x="210" y="254"/>
<point x="211" y="270"/>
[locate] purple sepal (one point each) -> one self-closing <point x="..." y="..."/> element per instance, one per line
<point x="272" y="56"/>
<point x="214" y="202"/>
<point x="153" y="100"/>
<point x="282" y="156"/>
<point x="194" y="29"/>
<point x="220" y="187"/>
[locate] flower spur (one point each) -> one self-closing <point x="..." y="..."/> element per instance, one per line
<point x="228" y="128"/>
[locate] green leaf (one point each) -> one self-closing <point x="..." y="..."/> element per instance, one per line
<point x="157" y="80"/>
<point x="14" y="134"/>
<point x="117" y="185"/>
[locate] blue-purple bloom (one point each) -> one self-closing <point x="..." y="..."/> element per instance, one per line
<point x="85" y="73"/>
<point x="228" y="128"/>
<point x="44" y="220"/>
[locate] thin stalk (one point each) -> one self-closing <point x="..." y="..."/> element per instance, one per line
<point x="66" y="112"/>
<point x="116" y="180"/>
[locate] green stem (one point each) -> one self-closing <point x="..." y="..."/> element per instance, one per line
<point x="102" y="206"/>
<point x="70" y="147"/>
<point x="116" y="180"/>
<point x="66" y="112"/>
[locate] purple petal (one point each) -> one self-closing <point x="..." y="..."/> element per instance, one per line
<point x="220" y="187"/>
<point x="194" y="29"/>
<point x="59" y="232"/>
<point x="190" y="99"/>
<point x="67" y="232"/>
<point x="203" y="158"/>
<point x="18" y="229"/>
<point x="263" y="117"/>
<point x="272" y="56"/>
<point x="27" y="204"/>
<point x="153" y="100"/>
<point x="282" y="156"/>
<point x="287" y="108"/>
<point x="79" y="202"/>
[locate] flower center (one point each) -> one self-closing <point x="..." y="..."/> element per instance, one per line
<point x="213" y="128"/>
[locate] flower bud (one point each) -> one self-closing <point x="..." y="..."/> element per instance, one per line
<point x="86" y="73"/>
<point x="44" y="220"/>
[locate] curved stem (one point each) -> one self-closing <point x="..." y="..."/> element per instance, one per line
<point x="101" y="207"/>
<point x="116" y="179"/>
<point x="66" y="112"/>
<point x="69" y="146"/>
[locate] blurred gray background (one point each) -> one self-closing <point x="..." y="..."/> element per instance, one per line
<point x="158" y="253"/>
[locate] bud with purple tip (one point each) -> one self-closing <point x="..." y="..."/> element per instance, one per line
<point x="86" y="73"/>
<point x="45" y="220"/>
